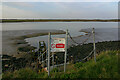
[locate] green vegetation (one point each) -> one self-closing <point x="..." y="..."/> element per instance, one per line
<point x="26" y="48"/>
<point x="60" y="20"/>
<point x="20" y="42"/>
<point x="36" y="34"/>
<point x="105" y="67"/>
<point x="22" y="73"/>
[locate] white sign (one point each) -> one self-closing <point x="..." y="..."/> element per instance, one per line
<point x="58" y="45"/>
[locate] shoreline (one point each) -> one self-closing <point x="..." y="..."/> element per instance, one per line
<point x="18" y="40"/>
<point x="101" y="35"/>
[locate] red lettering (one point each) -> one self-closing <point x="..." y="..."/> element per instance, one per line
<point x="60" y="45"/>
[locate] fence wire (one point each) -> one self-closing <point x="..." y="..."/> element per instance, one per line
<point x="89" y="35"/>
<point x="88" y="55"/>
<point x="77" y="42"/>
<point x="82" y="44"/>
<point x="42" y="54"/>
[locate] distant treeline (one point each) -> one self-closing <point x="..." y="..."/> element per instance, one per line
<point x="59" y="20"/>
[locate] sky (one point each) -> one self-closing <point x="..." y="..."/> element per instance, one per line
<point x="59" y="0"/>
<point x="59" y="10"/>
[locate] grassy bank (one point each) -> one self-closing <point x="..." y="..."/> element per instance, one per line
<point x="59" y="20"/>
<point x="105" y="67"/>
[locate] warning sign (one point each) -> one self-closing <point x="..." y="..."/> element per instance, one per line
<point x="58" y="45"/>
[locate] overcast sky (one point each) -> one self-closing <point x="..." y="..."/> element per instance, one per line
<point x="59" y="0"/>
<point x="53" y="10"/>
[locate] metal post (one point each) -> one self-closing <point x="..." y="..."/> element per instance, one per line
<point x="42" y="60"/>
<point x="46" y="60"/>
<point x="53" y="60"/>
<point x="49" y="46"/>
<point x="42" y="57"/>
<point x="66" y="43"/>
<point x="94" y="44"/>
<point x="39" y="52"/>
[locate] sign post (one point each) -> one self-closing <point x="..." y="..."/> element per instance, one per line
<point x="47" y="59"/>
<point x="57" y="45"/>
<point x="53" y="60"/>
<point x="66" y="43"/>
<point x="49" y="47"/>
<point x="94" y="44"/>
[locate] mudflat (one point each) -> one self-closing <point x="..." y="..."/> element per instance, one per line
<point x="9" y="38"/>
